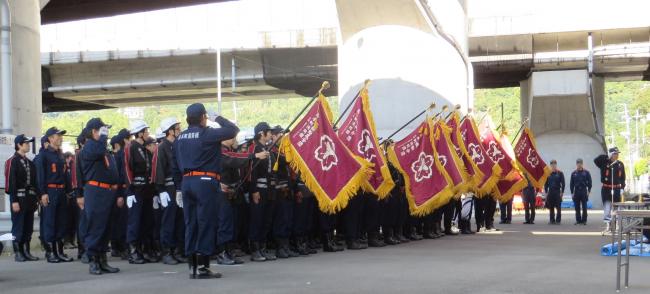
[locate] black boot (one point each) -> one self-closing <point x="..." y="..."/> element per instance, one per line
<point x="62" y="255"/>
<point x="168" y="257"/>
<point x="466" y="227"/>
<point x="135" y="256"/>
<point x="27" y="251"/>
<point x="50" y="256"/>
<point x="301" y="246"/>
<point x="328" y="243"/>
<point x="266" y="253"/>
<point x="193" y="265"/>
<point x="115" y="248"/>
<point x="287" y="247"/>
<point x="223" y="257"/>
<point x="389" y="237"/>
<point x="203" y="271"/>
<point x="93" y="266"/>
<point x="103" y="265"/>
<point x="179" y="254"/>
<point x="354" y="244"/>
<point x="437" y="229"/>
<point x="149" y="255"/>
<point x="256" y="252"/>
<point x="374" y="240"/>
<point x="399" y="235"/>
<point x="282" y="252"/>
<point x="19" y="256"/>
<point x="230" y="248"/>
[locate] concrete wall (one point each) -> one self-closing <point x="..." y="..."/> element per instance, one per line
<point x="392" y="43"/>
<point x="25" y="27"/>
<point x="557" y="104"/>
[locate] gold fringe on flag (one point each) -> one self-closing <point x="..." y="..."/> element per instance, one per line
<point x="474" y="180"/>
<point x="467" y="180"/>
<point x="539" y="184"/>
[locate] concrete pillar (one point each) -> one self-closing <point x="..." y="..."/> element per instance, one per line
<point x="26" y="62"/>
<point x="560" y="116"/>
<point x="26" y="77"/>
<point x="393" y="43"/>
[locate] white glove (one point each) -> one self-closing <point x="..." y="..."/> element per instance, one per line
<point x="156" y="202"/>
<point x="130" y="200"/>
<point x="179" y="199"/>
<point x="103" y="131"/>
<point x="164" y="199"/>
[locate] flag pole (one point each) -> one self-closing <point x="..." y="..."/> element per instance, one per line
<point x="444" y="108"/>
<point x="432" y="106"/>
<point x="519" y="131"/>
<point x="365" y="86"/>
<point x="323" y="87"/>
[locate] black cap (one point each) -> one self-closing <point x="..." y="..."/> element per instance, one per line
<point x="96" y="123"/>
<point x="20" y="139"/>
<point x="261" y="127"/>
<point x="53" y="130"/>
<point x="149" y="140"/>
<point x="277" y="129"/>
<point x="124" y="133"/>
<point x="116" y="139"/>
<point x="195" y="110"/>
<point x="553" y="161"/>
<point x="613" y="150"/>
<point x="579" y="160"/>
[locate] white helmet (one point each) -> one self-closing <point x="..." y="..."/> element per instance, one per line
<point x="213" y="124"/>
<point x="159" y="134"/>
<point x="167" y="123"/>
<point x="137" y="126"/>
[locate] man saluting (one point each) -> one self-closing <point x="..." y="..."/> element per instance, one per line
<point x="198" y="152"/>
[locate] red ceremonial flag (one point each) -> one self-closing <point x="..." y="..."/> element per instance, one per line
<point x="491" y="171"/>
<point x="506" y="188"/>
<point x="529" y="160"/>
<point x="475" y="174"/>
<point x="428" y="185"/>
<point x="449" y="158"/>
<point x="326" y="166"/>
<point x="494" y="149"/>
<point x="359" y="134"/>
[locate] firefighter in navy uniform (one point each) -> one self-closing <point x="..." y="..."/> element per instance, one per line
<point x="612" y="176"/>
<point x="20" y="179"/>
<point x="119" y="246"/>
<point x="261" y="195"/>
<point x="38" y="160"/>
<point x="168" y="183"/>
<point x="234" y="168"/>
<point x="100" y="186"/>
<point x="198" y="153"/>
<point x="554" y="189"/>
<point x="580" y="185"/>
<point x="54" y="186"/>
<point x="77" y="180"/>
<point x="137" y="163"/>
<point x="528" y="195"/>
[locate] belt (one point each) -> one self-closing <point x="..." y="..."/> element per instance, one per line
<point x="102" y="185"/>
<point x="612" y="186"/>
<point x="216" y="176"/>
<point x="56" y="186"/>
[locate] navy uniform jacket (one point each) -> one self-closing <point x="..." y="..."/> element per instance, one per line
<point x="137" y="163"/>
<point x="121" y="181"/>
<point x="611" y="172"/>
<point x="580" y="183"/>
<point x="262" y="173"/>
<point x="199" y="148"/>
<point x="97" y="164"/>
<point x="529" y="192"/>
<point x="555" y="183"/>
<point x="51" y="169"/>
<point x="165" y="172"/>
<point x="20" y="178"/>
<point x="77" y="175"/>
<point x="233" y="165"/>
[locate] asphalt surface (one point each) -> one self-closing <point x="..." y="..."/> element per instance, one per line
<point x="520" y="258"/>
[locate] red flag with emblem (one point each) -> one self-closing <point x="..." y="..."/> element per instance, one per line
<point x="494" y="149"/>
<point x="326" y="166"/>
<point x="529" y="160"/>
<point x="491" y="170"/>
<point x="506" y="188"/>
<point x="428" y="185"/>
<point x="449" y="158"/>
<point x="359" y="134"/>
<point x="474" y="173"/>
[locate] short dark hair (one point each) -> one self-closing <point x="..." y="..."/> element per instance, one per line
<point x="259" y="135"/>
<point x="194" y="120"/>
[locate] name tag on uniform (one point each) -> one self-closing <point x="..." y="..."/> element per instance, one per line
<point x="206" y="178"/>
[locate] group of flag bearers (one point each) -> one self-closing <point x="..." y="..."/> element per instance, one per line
<point x="196" y="194"/>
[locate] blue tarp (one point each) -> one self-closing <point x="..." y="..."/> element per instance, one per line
<point x="612" y="249"/>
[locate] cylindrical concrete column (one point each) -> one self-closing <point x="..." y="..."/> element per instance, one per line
<point x="393" y="43"/>
<point x="26" y="63"/>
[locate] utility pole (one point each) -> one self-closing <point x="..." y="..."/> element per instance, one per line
<point x="626" y="118"/>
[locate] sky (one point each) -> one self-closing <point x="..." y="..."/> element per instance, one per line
<point x="236" y="24"/>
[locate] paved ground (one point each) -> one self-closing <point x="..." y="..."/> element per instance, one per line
<point x="519" y="259"/>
